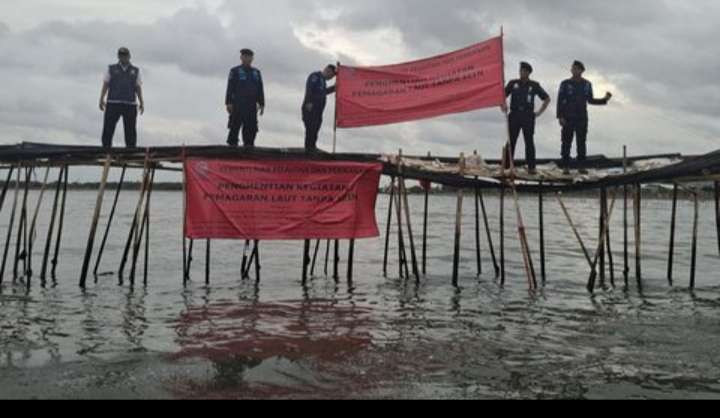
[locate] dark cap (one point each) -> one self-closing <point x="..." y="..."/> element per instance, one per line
<point x="526" y="66"/>
<point x="579" y="64"/>
<point x="246" y="51"/>
<point x="332" y="67"/>
<point x="123" y="51"/>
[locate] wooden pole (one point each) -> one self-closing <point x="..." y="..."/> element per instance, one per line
<point x="489" y="234"/>
<point x="327" y="256"/>
<point x="10" y="224"/>
<point x="458" y="225"/>
<point x="109" y="224"/>
<point x="402" y="260"/>
<point x="673" y="225"/>
<point x="6" y="186"/>
<point x="51" y="228"/>
<point x="696" y="217"/>
<point x="61" y="224"/>
<point x="93" y="226"/>
<point x="389" y="224"/>
<point x="257" y="261"/>
<point x="336" y="262"/>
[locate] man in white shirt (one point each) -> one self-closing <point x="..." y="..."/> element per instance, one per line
<point x="123" y="86"/>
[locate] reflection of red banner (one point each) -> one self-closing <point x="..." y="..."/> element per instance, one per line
<point x="461" y="81"/>
<point x="280" y="200"/>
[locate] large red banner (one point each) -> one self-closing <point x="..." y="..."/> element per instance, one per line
<point x="469" y="79"/>
<point x="280" y="200"/>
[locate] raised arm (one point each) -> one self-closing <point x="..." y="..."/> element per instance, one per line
<point x="598" y="102"/>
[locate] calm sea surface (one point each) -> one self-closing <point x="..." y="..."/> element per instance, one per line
<point x="380" y="337"/>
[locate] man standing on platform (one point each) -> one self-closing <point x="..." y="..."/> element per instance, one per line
<point x="522" y="113"/>
<point x="123" y="86"/>
<point x="575" y="94"/>
<point x="316" y="92"/>
<point x="245" y="93"/>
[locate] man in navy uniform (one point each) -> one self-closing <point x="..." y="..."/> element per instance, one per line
<point x="522" y="112"/>
<point x="123" y="86"/>
<point x="575" y="94"/>
<point x="316" y="92"/>
<point x="245" y="94"/>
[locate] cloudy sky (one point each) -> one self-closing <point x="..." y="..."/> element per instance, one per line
<point x="658" y="57"/>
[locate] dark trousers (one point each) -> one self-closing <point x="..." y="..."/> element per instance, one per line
<point x="113" y="112"/>
<point x="577" y="128"/>
<point x="524" y="122"/>
<point x="313" y="122"/>
<point x="243" y="117"/>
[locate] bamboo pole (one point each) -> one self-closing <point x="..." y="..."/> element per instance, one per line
<point x="717" y="211"/>
<point x="109" y="223"/>
<point x="51" y="228"/>
<point x="336" y="262"/>
<point x="489" y="234"/>
<point x="402" y="260"/>
<point x="351" y="257"/>
<point x="406" y="206"/>
<point x="608" y="239"/>
<point x="458" y="226"/>
<point x="143" y="222"/>
<point x="600" y="248"/>
<point x="673" y="225"/>
<point x="696" y="217"/>
<point x="207" y="262"/>
<point x="638" y="235"/>
<point x="425" y="227"/>
<point x="136" y="218"/>
<point x="93" y="226"/>
<point x="22" y="228"/>
<point x="478" y="253"/>
<point x="327" y="256"/>
<point x="601" y="234"/>
<point x="626" y="252"/>
<point x="541" y="221"/>
<point x="10" y="224"/>
<point x="389" y="224"/>
<point x="189" y="260"/>
<point x="147" y="230"/>
<point x="574" y="229"/>
<point x="502" y="234"/>
<point x="61" y="224"/>
<point x="257" y="261"/>
<point x="33" y="224"/>
<point x="314" y="259"/>
<point x="306" y="256"/>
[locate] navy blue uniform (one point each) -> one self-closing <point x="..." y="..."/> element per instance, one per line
<point x="573" y="100"/>
<point x="121" y="102"/>
<point x="522" y="115"/>
<point x="316" y="92"/>
<point x="245" y="91"/>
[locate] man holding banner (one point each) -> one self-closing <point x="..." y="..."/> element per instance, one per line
<point x="316" y="92"/>
<point x="522" y="113"/>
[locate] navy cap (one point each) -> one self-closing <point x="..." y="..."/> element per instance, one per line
<point x="579" y="64"/>
<point x="526" y="66"/>
<point x="246" y="51"/>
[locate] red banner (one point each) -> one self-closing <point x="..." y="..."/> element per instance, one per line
<point x="469" y="79"/>
<point x="280" y="200"/>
